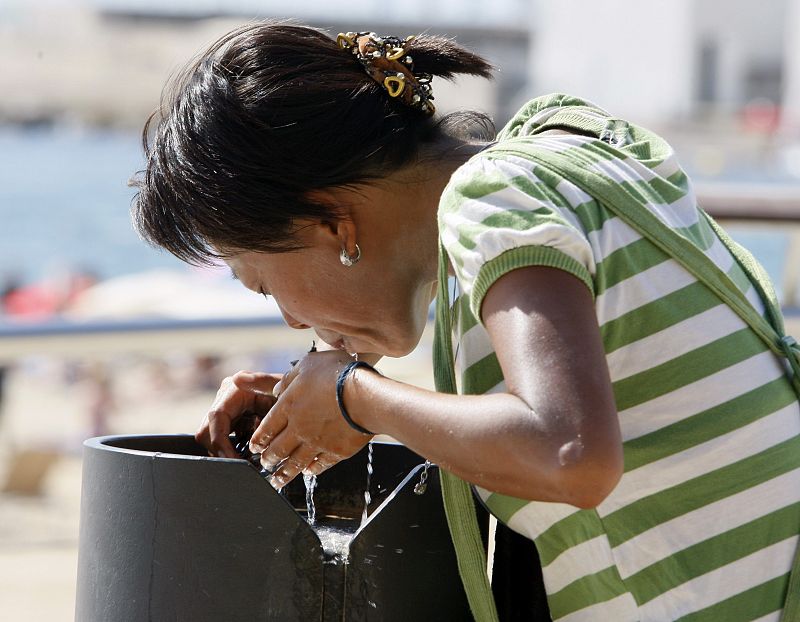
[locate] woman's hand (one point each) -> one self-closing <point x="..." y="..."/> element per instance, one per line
<point x="244" y="392"/>
<point x="304" y="430"/>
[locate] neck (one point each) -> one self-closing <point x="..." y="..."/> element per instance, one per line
<point x="426" y="182"/>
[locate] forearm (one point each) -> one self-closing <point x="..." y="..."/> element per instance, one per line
<point x="495" y="441"/>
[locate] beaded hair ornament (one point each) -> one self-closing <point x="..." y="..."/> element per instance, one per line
<point x="386" y="60"/>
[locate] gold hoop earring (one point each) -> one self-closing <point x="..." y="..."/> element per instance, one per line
<point x="350" y="260"/>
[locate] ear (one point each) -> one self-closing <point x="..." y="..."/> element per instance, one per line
<point x="342" y="225"/>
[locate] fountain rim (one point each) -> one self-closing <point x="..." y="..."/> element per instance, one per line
<point x="102" y="443"/>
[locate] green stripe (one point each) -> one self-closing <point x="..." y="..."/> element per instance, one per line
<point x="538" y="191"/>
<point x="482" y="375"/>
<point x="478" y="185"/>
<point x="627" y="262"/>
<point x="466" y="320"/>
<point x="656" y="190"/>
<point x="515" y="219"/>
<point x="592" y="152"/>
<point x="588" y="590"/>
<point x="504" y="507"/>
<point x="746" y="606"/>
<point x="657" y="315"/>
<point x="686" y="368"/>
<point x="700" y="234"/>
<point x="591" y="215"/>
<point x="714" y="553"/>
<point x="679" y="179"/>
<point x="708" y="424"/>
<point x="573" y="530"/>
<point x="655" y="509"/>
<point x="465" y="242"/>
<point x="738" y="276"/>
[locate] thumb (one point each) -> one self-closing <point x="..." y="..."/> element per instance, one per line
<point x="256" y="382"/>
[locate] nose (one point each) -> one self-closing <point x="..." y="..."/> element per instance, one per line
<point x="292" y="322"/>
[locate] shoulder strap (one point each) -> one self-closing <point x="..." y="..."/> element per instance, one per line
<point x="459" y="504"/>
<point x="632" y="209"/>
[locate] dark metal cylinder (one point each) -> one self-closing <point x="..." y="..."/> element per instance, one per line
<point x="170" y="534"/>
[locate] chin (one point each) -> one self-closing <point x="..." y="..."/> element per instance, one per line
<point x="402" y="346"/>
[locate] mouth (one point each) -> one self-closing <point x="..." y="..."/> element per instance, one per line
<point x="340" y="344"/>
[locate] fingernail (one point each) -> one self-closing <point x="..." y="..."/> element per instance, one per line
<point x="268" y="463"/>
<point x="256" y="448"/>
<point x="246" y="376"/>
<point x="277" y="482"/>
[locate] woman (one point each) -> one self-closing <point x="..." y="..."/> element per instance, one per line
<point x="613" y="409"/>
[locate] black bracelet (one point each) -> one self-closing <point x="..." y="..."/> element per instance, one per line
<point x="348" y="369"/>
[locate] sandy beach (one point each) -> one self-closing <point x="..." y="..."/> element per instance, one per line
<point x="46" y="415"/>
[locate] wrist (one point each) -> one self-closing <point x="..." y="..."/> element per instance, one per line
<point x="347" y="385"/>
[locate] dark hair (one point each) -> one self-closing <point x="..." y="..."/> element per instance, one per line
<point x="270" y="112"/>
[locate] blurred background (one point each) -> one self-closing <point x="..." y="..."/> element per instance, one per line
<point x="101" y="334"/>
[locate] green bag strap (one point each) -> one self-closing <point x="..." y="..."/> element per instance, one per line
<point x="632" y="209"/>
<point x="459" y="504"/>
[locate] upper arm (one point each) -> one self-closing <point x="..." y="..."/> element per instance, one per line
<point x="543" y="328"/>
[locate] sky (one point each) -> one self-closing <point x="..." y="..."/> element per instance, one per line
<point x="508" y="13"/>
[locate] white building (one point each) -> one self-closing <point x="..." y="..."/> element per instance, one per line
<point x="664" y="60"/>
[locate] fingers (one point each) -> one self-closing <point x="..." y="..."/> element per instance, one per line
<point x="243" y="392"/>
<point x="321" y="463"/>
<point x="302" y="457"/>
<point x="257" y="383"/>
<point x="278" y="448"/>
<point x="219" y="428"/>
<point x="285" y="380"/>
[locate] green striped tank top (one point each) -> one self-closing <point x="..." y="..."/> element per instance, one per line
<point x="704" y="522"/>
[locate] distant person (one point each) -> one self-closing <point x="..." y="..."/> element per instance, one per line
<point x="615" y="409"/>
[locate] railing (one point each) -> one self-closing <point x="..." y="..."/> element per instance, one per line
<point x="767" y="207"/>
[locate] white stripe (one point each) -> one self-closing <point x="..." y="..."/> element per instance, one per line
<point x="775" y="616"/>
<point x="679" y="214"/>
<point x="722" y="583"/>
<point x="474" y="211"/>
<point x="612" y="236"/>
<point x="719" y="254"/>
<point x="536" y="517"/>
<point x="698" y="396"/>
<point x="752" y="296"/>
<point x="574" y="195"/>
<point x="704" y="458"/>
<point x="641" y="288"/>
<point x="500" y="387"/>
<point x="668" y="166"/>
<point x="673" y="341"/>
<point x="706" y="522"/>
<point x="475" y="345"/>
<point x="590" y="557"/>
<point x="623" y="171"/>
<point x="620" y="609"/>
<point x="494" y="242"/>
<point x="483" y="493"/>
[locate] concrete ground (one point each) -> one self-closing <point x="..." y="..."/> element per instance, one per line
<point x="46" y="414"/>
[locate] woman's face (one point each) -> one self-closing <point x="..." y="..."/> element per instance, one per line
<point x="379" y="305"/>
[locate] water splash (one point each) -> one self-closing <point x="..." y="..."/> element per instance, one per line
<point x="367" y="495"/>
<point x="335" y="542"/>
<point x="311" y="483"/>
